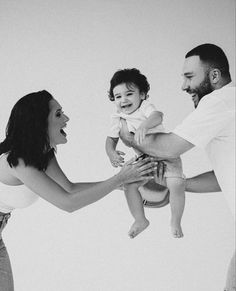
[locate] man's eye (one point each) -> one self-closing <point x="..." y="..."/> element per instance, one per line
<point x="117" y="97"/>
<point x="129" y="94"/>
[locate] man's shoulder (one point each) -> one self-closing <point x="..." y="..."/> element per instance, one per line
<point x="224" y="95"/>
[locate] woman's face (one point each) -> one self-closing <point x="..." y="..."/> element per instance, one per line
<point x="57" y="121"/>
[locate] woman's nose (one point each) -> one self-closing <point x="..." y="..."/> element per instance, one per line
<point x="66" y="118"/>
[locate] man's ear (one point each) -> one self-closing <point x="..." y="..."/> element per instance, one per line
<point x="215" y="76"/>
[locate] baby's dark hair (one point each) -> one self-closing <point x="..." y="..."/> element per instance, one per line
<point x="129" y="77"/>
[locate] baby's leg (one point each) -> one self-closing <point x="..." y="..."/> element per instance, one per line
<point x="135" y="204"/>
<point x="177" y="202"/>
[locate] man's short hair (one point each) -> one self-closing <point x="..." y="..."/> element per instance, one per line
<point x="213" y="56"/>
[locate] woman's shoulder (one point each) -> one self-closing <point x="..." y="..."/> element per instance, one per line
<point x="6" y="172"/>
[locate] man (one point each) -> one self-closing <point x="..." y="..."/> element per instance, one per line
<point x="210" y="126"/>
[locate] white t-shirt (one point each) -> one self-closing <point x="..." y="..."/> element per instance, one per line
<point x="212" y="127"/>
<point x="134" y="119"/>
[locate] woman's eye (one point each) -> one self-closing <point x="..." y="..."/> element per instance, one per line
<point x="59" y="114"/>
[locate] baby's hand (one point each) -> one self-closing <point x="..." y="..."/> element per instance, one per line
<point x="116" y="159"/>
<point x="140" y="134"/>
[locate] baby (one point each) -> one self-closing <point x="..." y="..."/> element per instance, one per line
<point x="128" y="90"/>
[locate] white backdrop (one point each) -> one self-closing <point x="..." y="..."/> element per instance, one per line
<point x="72" y="48"/>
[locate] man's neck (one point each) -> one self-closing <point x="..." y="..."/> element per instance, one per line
<point x="222" y="83"/>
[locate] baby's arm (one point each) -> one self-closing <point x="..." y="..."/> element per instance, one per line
<point x="114" y="155"/>
<point x="154" y="119"/>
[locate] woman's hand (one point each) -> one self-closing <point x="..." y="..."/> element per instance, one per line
<point x="135" y="171"/>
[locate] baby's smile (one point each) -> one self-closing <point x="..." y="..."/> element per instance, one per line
<point x="126" y="106"/>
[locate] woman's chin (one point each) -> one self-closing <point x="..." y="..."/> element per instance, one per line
<point x="55" y="144"/>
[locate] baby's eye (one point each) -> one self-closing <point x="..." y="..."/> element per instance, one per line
<point x="117" y="97"/>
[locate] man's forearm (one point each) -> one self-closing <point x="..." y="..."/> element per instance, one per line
<point x="163" y="145"/>
<point x="203" y="183"/>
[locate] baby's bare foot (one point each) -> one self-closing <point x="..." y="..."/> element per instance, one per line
<point x="137" y="227"/>
<point x="176" y="230"/>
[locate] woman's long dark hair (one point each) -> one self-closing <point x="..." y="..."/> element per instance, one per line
<point x="27" y="131"/>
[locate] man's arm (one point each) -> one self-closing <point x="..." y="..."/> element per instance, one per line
<point x="164" y="145"/>
<point x="203" y="183"/>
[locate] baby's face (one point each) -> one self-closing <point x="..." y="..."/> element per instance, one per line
<point x="127" y="97"/>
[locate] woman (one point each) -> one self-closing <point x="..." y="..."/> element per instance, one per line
<point x="29" y="168"/>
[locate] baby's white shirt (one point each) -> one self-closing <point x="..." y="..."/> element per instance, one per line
<point x="134" y="119"/>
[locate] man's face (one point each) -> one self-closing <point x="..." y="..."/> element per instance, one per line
<point x="196" y="79"/>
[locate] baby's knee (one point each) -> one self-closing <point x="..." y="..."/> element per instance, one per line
<point x="178" y="183"/>
<point x="132" y="186"/>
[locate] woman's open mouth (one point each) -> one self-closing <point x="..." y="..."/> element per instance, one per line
<point x="62" y="132"/>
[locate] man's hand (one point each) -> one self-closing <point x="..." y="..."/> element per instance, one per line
<point x="125" y="135"/>
<point x="159" y="174"/>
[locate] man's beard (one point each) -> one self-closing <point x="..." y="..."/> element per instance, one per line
<point x="202" y="89"/>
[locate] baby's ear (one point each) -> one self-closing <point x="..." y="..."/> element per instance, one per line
<point x="146" y="96"/>
<point x="143" y="96"/>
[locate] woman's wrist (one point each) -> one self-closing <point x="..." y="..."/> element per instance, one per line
<point x="119" y="179"/>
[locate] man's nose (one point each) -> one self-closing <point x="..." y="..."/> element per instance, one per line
<point x="185" y="86"/>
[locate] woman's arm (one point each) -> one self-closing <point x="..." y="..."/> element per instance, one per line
<point x="55" y="172"/>
<point x="86" y="193"/>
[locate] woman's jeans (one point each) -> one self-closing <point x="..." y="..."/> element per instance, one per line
<point x="6" y="278"/>
<point x="231" y="276"/>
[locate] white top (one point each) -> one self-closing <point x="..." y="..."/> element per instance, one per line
<point x="212" y="127"/>
<point x="134" y="119"/>
<point x="12" y="197"/>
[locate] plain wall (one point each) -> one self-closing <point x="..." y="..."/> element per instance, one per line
<point x="72" y="48"/>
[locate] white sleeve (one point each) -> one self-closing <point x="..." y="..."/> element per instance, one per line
<point x="115" y="126"/>
<point x="147" y="108"/>
<point x="205" y="123"/>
